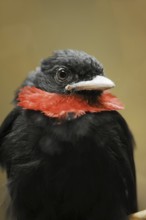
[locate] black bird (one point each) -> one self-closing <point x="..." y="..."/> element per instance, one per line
<point x="67" y="152"/>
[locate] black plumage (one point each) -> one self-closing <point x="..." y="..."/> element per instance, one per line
<point x="73" y="168"/>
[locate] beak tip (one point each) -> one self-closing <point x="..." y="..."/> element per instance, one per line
<point x="113" y="85"/>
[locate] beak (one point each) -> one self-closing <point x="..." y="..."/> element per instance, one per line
<point x="98" y="83"/>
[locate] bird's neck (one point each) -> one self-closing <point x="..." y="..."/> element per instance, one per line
<point x="59" y="106"/>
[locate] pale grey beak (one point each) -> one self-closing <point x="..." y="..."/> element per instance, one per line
<point x="97" y="83"/>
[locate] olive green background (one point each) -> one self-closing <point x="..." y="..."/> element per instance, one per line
<point x="112" y="30"/>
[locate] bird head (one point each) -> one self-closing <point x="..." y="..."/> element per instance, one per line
<point x="70" y="71"/>
<point x="70" y="81"/>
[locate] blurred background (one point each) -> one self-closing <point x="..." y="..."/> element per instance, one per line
<point x="114" y="31"/>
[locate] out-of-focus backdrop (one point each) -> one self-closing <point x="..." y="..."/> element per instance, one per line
<point x="112" y="30"/>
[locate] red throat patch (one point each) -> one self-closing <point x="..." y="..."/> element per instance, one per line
<point x="60" y="105"/>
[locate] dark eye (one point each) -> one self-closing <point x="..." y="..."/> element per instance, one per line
<point x="63" y="75"/>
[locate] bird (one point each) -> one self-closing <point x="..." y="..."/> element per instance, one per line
<point x="67" y="151"/>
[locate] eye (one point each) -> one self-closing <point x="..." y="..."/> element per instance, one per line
<point x="63" y="75"/>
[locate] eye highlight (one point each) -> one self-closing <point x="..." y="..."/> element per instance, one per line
<point x="63" y="75"/>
